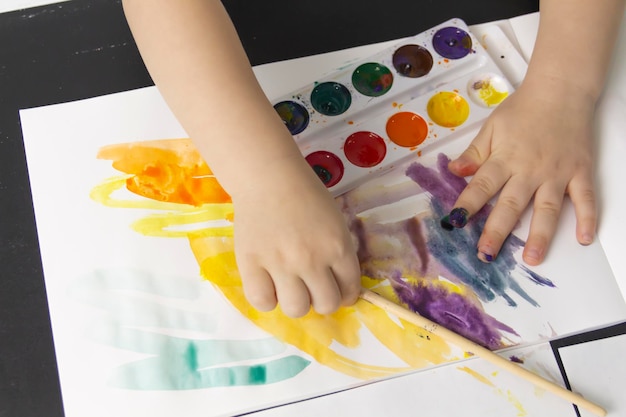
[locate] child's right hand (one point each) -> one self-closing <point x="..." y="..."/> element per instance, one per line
<point x="292" y="243"/>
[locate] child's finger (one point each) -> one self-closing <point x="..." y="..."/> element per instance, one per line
<point x="293" y="296"/>
<point x="489" y="177"/>
<point x="324" y="291"/>
<point x="546" y="211"/>
<point x="258" y="287"/>
<point x="347" y="273"/>
<point x="581" y="191"/>
<point x="486" y="183"/>
<point x="509" y="207"/>
<point x="474" y="155"/>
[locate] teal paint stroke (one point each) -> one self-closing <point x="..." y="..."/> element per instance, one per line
<point x="138" y="318"/>
<point x="185" y="364"/>
<point x="140" y="280"/>
<point x="140" y="298"/>
<point x="152" y="375"/>
<point x="209" y="352"/>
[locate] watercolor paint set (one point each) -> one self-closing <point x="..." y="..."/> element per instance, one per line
<point x="374" y="114"/>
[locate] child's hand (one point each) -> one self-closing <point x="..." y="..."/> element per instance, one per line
<point x="293" y="246"/>
<point x="538" y="142"/>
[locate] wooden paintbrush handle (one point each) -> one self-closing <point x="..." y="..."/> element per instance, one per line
<point x="474" y="348"/>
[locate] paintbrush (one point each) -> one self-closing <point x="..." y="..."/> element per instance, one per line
<point x="476" y="349"/>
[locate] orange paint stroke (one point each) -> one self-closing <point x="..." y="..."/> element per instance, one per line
<point x="168" y="170"/>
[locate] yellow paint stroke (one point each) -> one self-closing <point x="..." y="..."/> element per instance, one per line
<point x="313" y="333"/>
<point x="409" y="342"/>
<point x="510" y="397"/>
<point x="164" y="224"/>
<point x="476" y="375"/>
<point x="521" y="412"/>
<point x="170" y="177"/>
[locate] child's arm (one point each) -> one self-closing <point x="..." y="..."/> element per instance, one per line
<point x="539" y="141"/>
<point x="291" y="241"/>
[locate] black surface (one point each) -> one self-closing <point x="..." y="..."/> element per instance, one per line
<point x="82" y="49"/>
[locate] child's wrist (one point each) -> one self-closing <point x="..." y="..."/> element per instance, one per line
<point x="554" y="87"/>
<point x="285" y="176"/>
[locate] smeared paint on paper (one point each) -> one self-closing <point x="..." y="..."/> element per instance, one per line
<point x="411" y="261"/>
<point x="141" y="313"/>
<point x="507" y="394"/>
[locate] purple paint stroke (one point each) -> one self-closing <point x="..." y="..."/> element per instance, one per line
<point x="419" y="249"/>
<point x="443" y="185"/>
<point x="456" y="249"/>
<point x="413" y="230"/>
<point x="431" y="181"/>
<point x="358" y="230"/>
<point x="452" y="311"/>
<point x="386" y="248"/>
<point x="536" y="278"/>
<point x="395" y="250"/>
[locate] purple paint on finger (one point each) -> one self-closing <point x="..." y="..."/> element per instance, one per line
<point x="445" y="223"/>
<point x="458" y="217"/>
<point x="486" y="257"/>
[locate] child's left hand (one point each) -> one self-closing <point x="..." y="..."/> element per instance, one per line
<point x="538" y="142"/>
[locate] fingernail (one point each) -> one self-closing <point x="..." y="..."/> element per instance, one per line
<point x="457" y="218"/>
<point x="532" y="254"/>
<point x="586" y="239"/>
<point x="485" y="256"/>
